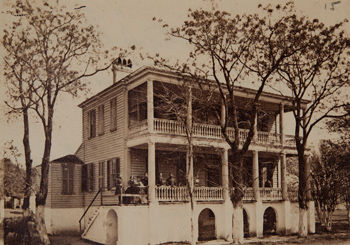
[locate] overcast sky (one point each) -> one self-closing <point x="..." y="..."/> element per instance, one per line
<point x="122" y="24"/>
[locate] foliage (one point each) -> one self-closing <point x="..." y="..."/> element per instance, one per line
<point x="48" y="52"/>
<point x="14" y="181"/>
<point x="330" y="177"/>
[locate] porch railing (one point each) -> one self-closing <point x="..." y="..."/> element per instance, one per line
<point x="167" y="193"/>
<point x="271" y="193"/>
<point x="208" y="193"/>
<point x="208" y="131"/>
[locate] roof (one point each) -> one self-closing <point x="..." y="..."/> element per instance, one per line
<point x="68" y="159"/>
<point x="144" y="70"/>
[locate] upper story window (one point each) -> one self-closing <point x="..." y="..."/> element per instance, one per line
<point x="67" y="179"/>
<point x="101" y="120"/>
<point x="113" y="116"/>
<point x="113" y="168"/>
<point x="137" y="101"/>
<point x="88" y="177"/>
<point x="92" y="123"/>
<point x="101" y="174"/>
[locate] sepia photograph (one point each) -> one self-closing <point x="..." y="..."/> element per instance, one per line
<point x="161" y="122"/>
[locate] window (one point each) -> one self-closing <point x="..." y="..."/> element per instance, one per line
<point x="88" y="177"/>
<point x="101" y="174"/>
<point x="113" y="123"/>
<point x="101" y="120"/>
<point x="92" y="123"/>
<point x="67" y="179"/>
<point x="113" y="167"/>
<point x="137" y="104"/>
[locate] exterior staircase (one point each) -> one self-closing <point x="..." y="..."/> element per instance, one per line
<point x="91" y="221"/>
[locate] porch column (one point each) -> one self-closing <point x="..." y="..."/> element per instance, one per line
<point x="255" y="137"/>
<point x="150" y="109"/>
<point x="225" y="175"/>
<point x="281" y="124"/>
<point x="223" y="114"/>
<point x="226" y="194"/>
<point x="151" y="172"/>
<point x="189" y="165"/>
<point x="284" y="176"/>
<point x="256" y="187"/>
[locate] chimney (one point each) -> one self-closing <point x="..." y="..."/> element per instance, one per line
<point x="122" y="65"/>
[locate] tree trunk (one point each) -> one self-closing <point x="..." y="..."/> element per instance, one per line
<point x="302" y="231"/>
<point x="2" y="200"/>
<point x="237" y="223"/>
<point x="40" y="224"/>
<point x="40" y="200"/>
<point x="28" y="160"/>
<point x="328" y="220"/>
<point x="237" y="200"/>
<point x="303" y="193"/>
<point x="348" y="214"/>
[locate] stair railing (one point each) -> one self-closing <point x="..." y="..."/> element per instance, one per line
<point x="99" y="191"/>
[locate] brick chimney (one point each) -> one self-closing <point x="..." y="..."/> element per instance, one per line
<point x="121" y="65"/>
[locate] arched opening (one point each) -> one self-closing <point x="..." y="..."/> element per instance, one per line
<point x="246" y="223"/>
<point x="269" y="221"/>
<point x="206" y="225"/>
<point x="112" y="227"/>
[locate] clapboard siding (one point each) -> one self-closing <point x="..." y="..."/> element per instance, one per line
<point x="59" y="200"/>
<point x="107" y="146"/>
<point x="138" y="162"/>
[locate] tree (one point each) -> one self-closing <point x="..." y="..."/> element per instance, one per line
<point x="342" y="127"/>
<point x="318" y="72"/>
<point x="229" y="50"/>
<point x="48" y="52"/>
<point x="328" y="180"/>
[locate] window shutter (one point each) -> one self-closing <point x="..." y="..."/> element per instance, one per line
<point x="64" y="178"/>
<point x="84" y="181"/>
<point x="71" y="179"/>
<point x="91" y="177"/>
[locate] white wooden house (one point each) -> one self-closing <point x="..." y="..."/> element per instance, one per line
<point x="126" y="133"/>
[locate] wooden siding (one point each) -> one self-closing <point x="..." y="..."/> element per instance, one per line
<point x="59" y="200"/>
<point x="107" y="146"/>
<point x="139" y="160"/>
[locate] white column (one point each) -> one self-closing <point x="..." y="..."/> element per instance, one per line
<point x="284" y="177"/>
<point x="226" y="193"/>
<point x="256" y="187"/>
<point x="151" y="172"/>
<point x="255" y="137"/>
<point x="150" y="106"/>
<point x="225" y="175"/>
<point x="279" y="183"/>
<point x="281" y="124"/>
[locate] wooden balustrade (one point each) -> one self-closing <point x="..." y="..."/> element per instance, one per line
<point x="208" y="131"/>
<point x="208" y="193"/>
<point x="271" y="193"/>
<point x="167" y="193"/>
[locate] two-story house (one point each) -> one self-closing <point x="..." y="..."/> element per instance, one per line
<point x="128" y="180"/>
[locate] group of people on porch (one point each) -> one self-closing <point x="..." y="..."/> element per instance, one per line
<point x="136" y="186"/>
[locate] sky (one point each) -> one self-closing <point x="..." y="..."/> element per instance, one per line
<point x="123" y="24"/>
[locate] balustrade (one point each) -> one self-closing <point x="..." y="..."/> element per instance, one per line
<point x="271" y="193"/>
<point x="208" y="131"/>
<point x="208" y="193"/>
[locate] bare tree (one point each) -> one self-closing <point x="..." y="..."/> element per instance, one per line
<point x="48" y="52"/>
<point x="230" y="50"/>
<point x="318" y="71"/>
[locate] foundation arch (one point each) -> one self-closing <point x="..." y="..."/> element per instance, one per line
<point x="206" y="225"/>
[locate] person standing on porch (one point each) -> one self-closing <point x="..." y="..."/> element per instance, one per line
<point x="161" y="180"/>
<point x="171" y="181"/>
<point x="119" y="187"/>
